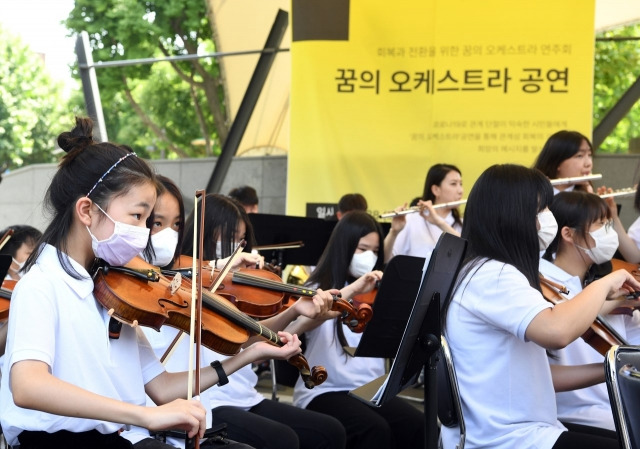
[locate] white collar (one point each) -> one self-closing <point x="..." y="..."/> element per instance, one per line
<point x="48" y="261"/>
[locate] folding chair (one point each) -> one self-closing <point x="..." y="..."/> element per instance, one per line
<point x="449" y="405"/>
<point x="623" y="384"/>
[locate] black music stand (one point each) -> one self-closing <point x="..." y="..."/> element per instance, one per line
<point x="396" y="296"/>
<point x="420" y="340"/>
<point x="276" y="229"/>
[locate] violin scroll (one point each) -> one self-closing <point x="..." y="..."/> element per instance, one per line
<point x="356" y="318"/>
<point x="310" y="377"/>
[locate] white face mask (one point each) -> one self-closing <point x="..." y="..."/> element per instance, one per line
<point x="606" y="244"/>
<point x="126" y="242"/>
<point x="19" y="264"/>
<point x="362" y="263"/>
<point x="548" y="229"/>
<point x="219" y="249"/>
<point x="164" y="247"/>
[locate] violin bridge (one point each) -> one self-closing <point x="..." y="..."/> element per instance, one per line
<point x="175" y="284"/>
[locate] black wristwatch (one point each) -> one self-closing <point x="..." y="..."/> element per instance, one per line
<point x="222" y="376"/>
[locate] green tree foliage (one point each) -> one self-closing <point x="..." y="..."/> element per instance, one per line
<point x="158" y="109"/>
<point x="31" y="106"/>
<point x="617" y="67"/>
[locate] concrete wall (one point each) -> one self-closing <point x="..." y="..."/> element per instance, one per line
<point x="22" y="191"/>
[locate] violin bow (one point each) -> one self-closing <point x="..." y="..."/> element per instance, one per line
<point x="196" y="307"/>
<point x="218" y="280"/>
<point x="5" y="238"/>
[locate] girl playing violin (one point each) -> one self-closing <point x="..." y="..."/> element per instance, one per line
<point x="585" y="236"/>
<point x="250" y="418"/>
<point x="227" y="226"/>
<point x="19" y="246"/>
<point x="417" y="234"/>
<point x="566" y="154"/>
<point x="498" y="325"/>
<point x="351" y="261"/>
<point x="65" y="383"/>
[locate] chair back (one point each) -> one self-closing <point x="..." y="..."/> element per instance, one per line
<point x="623" y="384"/>
<point x="449" y="405"/>
<point x="629" y="381"/>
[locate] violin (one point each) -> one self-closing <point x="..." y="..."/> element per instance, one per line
<point x="138" y="294"/>
<point x="5" y="298"/>
<point x="367" y="298"/>
<point x="600" y="335"/>
<point x="634" y="270"/>
<point x="261" y="294"/>
<point x="257" y="303"/>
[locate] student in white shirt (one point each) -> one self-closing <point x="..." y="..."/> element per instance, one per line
<point x="351" y="260"/>
<point x="417" y="234"/>
<point x="566" y="154"/>
<point x="585" y="236"/>
<point x="498" y="325"/>
<point x="569" y="154"/>
<point x="250" y="418"/>
<point x="65" y="383"/>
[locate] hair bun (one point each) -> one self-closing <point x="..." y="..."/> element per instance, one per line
<point x="80" y="137"/>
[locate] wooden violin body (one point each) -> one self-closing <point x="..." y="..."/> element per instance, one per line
<point x="139" y="295"/>
<point x="258" y="303"/>
<point x="600" y="335"/>
<point x="5" y="298"/>
<point x="260" y="294"/>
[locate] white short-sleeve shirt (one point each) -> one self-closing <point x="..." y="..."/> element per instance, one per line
<point x="419" y="237"/>
<point x="345" y="373"/>
<point x="55" y="319"/>
<point x="505" y="381"/>
<point x="586" y="406"/>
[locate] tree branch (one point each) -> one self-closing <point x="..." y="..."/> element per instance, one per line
<point x="147" y="120"/>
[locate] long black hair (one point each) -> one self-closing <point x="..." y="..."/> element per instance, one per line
<point x="435" y="176"/>
<point x="577" y="210"/>
<point x="222" y="215"/>
<point x="500" y="221"/>
<point x="332" y="270"/>
<point x="99" y="171"/>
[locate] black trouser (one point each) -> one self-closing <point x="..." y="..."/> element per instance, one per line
<point x="397" y="424"/>
<point x="586" y="437"/>
<point x="72" y="440"/>
<point x="274" y="425"/>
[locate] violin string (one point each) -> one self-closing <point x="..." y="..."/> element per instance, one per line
<point x="276" y="285"/>
<point x="240" y="318"/>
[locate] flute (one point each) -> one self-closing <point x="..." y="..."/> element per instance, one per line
<point x="620" y="192"/>
<point x="414" y="209"/>
<point x="574" y="180"/>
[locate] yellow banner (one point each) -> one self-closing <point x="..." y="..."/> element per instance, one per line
<point x="383" y="93"/>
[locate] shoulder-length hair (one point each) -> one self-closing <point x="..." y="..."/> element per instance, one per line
<point x="222" y="215"/>
<point x="577" y="210"/>
<point x="558" y="148"/>
<point x="435" y="176"/>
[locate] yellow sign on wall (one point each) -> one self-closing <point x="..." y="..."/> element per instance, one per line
<point x="389" y="89"/>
